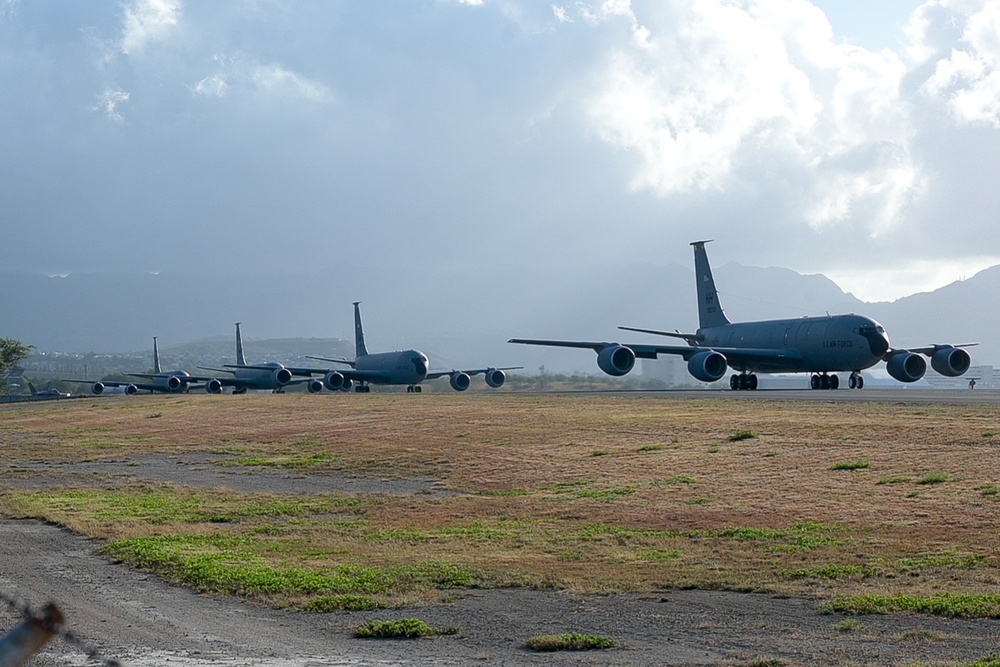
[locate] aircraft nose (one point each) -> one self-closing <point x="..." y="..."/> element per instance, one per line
<point x="420" y="366"/>
<point x="878" y="341"/>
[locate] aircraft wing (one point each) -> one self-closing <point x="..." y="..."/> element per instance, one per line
<point x="433" y="375"/>
<point x="336" y="361"/>
<point x="928" y="350"/>
<point x="734" y="355"/>
<point x="348" y="373"/>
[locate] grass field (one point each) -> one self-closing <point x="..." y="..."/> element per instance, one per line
<point x="872" y="506"/>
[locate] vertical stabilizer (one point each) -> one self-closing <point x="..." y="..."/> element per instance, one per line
<point x="241" y="360"/>
<point x="156" y="357"/>
<point x="710" y="312"/>
<point x="360" y="350"/>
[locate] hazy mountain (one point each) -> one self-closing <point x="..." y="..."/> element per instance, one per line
<point x="465" y="320"/>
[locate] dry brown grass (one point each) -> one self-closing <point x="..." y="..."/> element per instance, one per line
<point x="592" y="493"/>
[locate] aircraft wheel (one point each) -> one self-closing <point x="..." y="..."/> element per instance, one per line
<point x="861" y="382"/>
<point x="852" y="382"/>
<point x="418" y="389"/>
<point x="814" y="382"/>
<point x="753" y="383"/>
<point x="734" y="382"/>
<point x="834" y="382"/>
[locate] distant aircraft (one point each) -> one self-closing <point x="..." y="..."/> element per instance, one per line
<point x="272" y="375"/>
<point x="48" y="391"/>
<point x="166" y="382"/>
<point x="821" y="346"/>
<point x="409" y="367"/>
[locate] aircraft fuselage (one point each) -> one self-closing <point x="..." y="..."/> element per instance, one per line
<point x="815" y="344"/>
<point x="400" y="367"/>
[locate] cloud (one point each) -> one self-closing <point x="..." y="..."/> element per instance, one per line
<point x="148" y="21"/>
<point x="110" y="102"/>
<point x="968" y="80"/>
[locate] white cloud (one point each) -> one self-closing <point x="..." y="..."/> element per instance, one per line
<point x="275" y="79"/>
<point x="148" y="21"/>
<point x="110" y="102"/>
<point x="968" y="80"/>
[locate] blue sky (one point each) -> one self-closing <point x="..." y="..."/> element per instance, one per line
<point x="858" y="140"/>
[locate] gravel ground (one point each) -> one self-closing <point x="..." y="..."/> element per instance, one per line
<point x="138" y="620"/>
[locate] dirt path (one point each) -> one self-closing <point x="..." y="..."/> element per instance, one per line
<point x="138" y="620"/>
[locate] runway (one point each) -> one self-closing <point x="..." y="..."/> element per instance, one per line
<point x="888" y="395"/>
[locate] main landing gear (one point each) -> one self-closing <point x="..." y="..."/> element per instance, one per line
<point x="414" y="389"/>
<point x="363" y="389"/>
<point x="743" y="381"/>
<point x="827" y="381"/>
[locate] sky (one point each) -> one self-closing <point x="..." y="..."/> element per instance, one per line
<point x="857" y="140"/>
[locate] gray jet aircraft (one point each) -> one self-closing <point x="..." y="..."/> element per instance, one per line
<point x="822" y="346"/>
<point x="272" y="375"/>
<point x="409" y="367"/>
<point x="167" y="382"/>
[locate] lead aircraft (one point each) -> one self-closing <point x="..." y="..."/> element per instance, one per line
<point x="821" y="346"/>
<point x="403" y="367"/>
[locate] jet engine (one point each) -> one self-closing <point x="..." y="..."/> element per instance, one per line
<point x="348" y="383"/>
<point x="315" y="386"/>
<point x="98" y="388"/>
<point x="130" y="389"/>
<point x="495" y="377"/>
<point x="282" y="376"/>
<point x="213" y="386"/>
<point x="335" y="380"/>
<point x="951" y="361"/>
<point x="616" y="359"/>
<point x="707" y="366"/>
<point x="460" y="381"/>
<point x="906" y="366"/>
<point x="174" y="383"/>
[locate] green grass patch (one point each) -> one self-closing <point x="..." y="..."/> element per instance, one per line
<point x="988" y="490"/>
<point x="832" y="572"/>
<point x="317" y="460"/>
<point x="235" y="566"/>
<point x="651" y="448"/>
<point x="743" y="435"/>
<point x="674" y="481"/>
<point x="933" y="478"/>
<point x="403" y="628"/>
<point x="852" y="465"/>
<point x="569" y="642"/>
<point x="847" y="625"/>
<point x="948" y="605"/>
<point x="897" y="479"/>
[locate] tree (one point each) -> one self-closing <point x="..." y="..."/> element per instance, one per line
<point x="11" y="352"/>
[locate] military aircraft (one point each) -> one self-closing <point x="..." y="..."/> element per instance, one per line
<point x="821" y="346"/>
<point x="409" y="367"/>
<point x="272" y="375"/>
<point x="48" y="392"/>
<point x="167" y="382"/>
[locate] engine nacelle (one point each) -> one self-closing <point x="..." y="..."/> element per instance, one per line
<point x="130" y="389"/>
<point x="213" y="386"/>
<point x="348" y="384"/>
<point x="460" y="381"/>
<point x="174" y="383"/>
<point x="616" y="360"/>
<point x="334" y="381"/>
<point x="906" y="366"/>
<point x="495" y="377"/>
<point x="282" y="376"/>
<point x="707" y="366"/>
<point x="951" y="361"/>
<point x="314" y="386"/>
<point x="98" y="388"/>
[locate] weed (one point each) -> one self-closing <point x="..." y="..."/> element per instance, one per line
<point x="673" y="481"/>
<point x="600" y="452"/>
<point x="404" y="628"/>
<point x="569" y="642"/>
<point x="988" y="490"/>
<point x="848" y="625"/>
<point x="328" y="603"/>
<point x="743" y="435"/>
<point x="933" y="478"/>
<point x="650" y="448"/>
<point x="854" y="465"/>
<point x="893" y="480"/>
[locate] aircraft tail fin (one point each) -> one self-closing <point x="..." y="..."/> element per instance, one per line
<point x="241" y="359"/>
<point x="156" y="357"/>
<point x="360" y="349"/>
<point x="710" y="312"/>
<point x="31" y="388"/>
